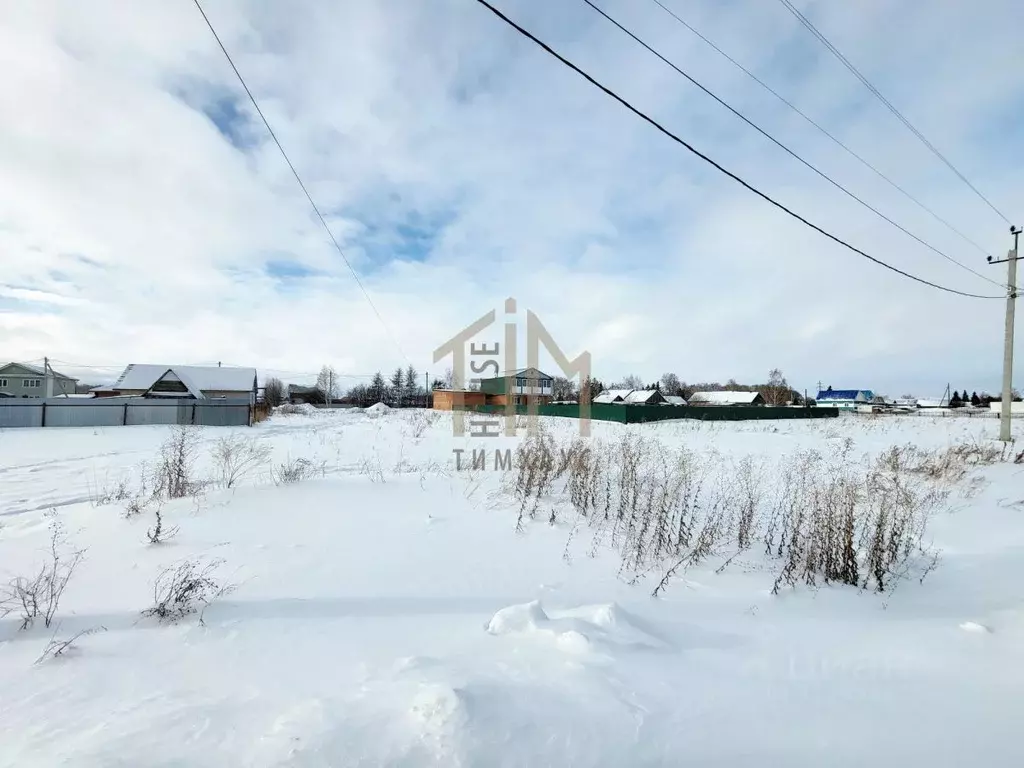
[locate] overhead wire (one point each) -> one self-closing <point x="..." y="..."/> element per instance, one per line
<point x="885" y="102"/>
<point x="823" y="130"/>
<point x="298" y="178"/>
<point x="785" y="148"/>
<point x="767" y="198"/>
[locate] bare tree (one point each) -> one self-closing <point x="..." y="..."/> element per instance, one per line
<point x="563" y="389"/>
<point x="670" y="384"/>
<point x="327" y="384"/>
<point x="777" y="392"/>
<point x="630" y="382"/>
<point x="273" y="392"/>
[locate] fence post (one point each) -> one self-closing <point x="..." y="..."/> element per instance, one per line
<point x="43" y="423"/>
<point x="193" y="414"/>
<point x="124" y="416"/>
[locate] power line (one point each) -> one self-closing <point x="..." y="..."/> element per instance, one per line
<point x="298" y="178"/>
<point x="789" y="151"/>
<point x="845" y="62"/>
<point x="711" y="162"/>
<point x="824" y="131"/>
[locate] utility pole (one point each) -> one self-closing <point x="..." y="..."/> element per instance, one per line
<point x="47" y="378"/>
<point x="1011" y="298"/>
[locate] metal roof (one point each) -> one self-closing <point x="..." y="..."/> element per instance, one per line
<point x="38" y="371"/>
<point x="640" y="395"/>
<point x="612" y="395"/>
<point x="845" y="394"/>
<point x="203" y="378"/>
<point x="727" y="397"/>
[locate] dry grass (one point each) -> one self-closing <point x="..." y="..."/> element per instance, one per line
<point x="38" y="596"/>
<point x="814" y="518"/>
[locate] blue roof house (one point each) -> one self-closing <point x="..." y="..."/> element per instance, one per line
<point x="844" y="399"/>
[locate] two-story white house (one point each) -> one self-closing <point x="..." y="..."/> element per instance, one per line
<point x="23" y="380"/>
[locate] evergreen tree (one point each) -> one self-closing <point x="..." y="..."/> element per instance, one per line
<point x="954" y="401"/>
<point x="975" y="400"/>
<point x="396" y="390"/>
<point x="378" y="388"/>
<point x="412" y="382"/>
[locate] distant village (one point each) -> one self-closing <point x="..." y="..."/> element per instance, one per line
<point x="405" y="388"/>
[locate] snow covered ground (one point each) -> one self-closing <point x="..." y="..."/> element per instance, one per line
<point x="386" y="612"/>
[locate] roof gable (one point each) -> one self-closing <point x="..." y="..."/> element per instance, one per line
<point x="24" y="369"/>
<point x="642" y="395"/>
<point x="202" y="378"/>
<point x="612" y="395"/>
<point x="530" y="373"/>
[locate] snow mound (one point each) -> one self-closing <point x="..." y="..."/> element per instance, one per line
<point x="973" y="626"/>
<point x="378" y="409"/>
<point x="518" y="618"/>
<point x="575" y="630"/>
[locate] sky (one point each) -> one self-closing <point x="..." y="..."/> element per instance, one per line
<point x="147" y="217"/>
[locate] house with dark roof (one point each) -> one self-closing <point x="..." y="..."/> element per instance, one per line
<point x="644" y="397"/>
<point x="845" y="399"/>
<point x="726" y="397"/>
<point x="521" y="386"/>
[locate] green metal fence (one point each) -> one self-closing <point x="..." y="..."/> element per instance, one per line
<point x="638" y="414"/>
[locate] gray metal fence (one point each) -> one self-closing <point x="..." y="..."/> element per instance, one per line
<point x="123" y="411"/>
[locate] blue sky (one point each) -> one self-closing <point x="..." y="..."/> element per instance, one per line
<point x="148" y="218"/>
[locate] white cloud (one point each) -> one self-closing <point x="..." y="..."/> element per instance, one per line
<point x="132" y="230"/>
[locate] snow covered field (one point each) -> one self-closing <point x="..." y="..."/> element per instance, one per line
<point x="385" y="611"/>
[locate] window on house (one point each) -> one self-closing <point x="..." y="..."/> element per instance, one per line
<point x="30" y="383"/>
<point x="3" y="382"/>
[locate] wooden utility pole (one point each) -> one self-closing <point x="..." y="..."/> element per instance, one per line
<point x="1011" y="300"/>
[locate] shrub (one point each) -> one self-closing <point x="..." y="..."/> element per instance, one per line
<point x="174" y="472"/>
<point x="40" y="595"/>
<point x="297" y="470"/>
<point x="158" y="534"/>
<point x="57" y="648"/>
<point x="186" y="588"/>
<point x="235" y="456"/>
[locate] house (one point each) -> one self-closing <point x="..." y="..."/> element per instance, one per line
<point x="726" y="397"/>
<point x="300" y="395"/>
<point x="448" y="399"/>
<point x="186" y="381"/>
<point x="673" y="400"/>
<point x="845" y="399"/>
<point x="612" y="396"/>
<point x="522" y="386"/>
<point x="23" y="380"/>
<point x="644" y="397"/>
